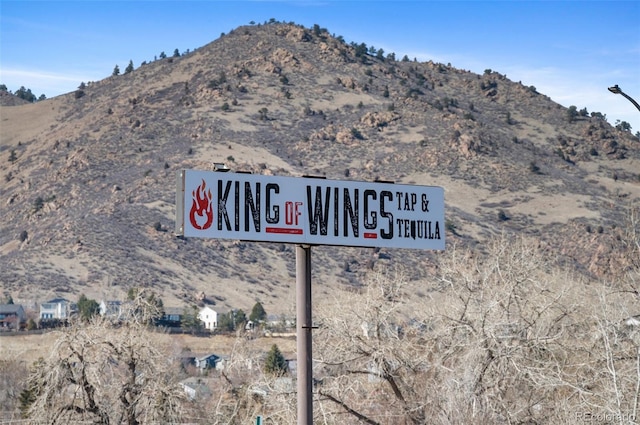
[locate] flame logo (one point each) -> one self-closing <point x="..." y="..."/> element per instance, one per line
<point x="201" y="214"/>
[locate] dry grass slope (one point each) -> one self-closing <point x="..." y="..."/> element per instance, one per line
<point x="87" y="202"/>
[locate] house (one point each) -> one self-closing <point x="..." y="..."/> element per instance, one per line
<point x="12" y="316"/>
<point x="172" y="316"/>
<point x="57" y="308"/>
<point x="210" y="361"/>
<point x="114" y="309"/>
<point x="209" y="317"/>
<point x="196" y="388"/>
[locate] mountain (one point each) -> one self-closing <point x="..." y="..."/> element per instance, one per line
<point x="89" y="177"/>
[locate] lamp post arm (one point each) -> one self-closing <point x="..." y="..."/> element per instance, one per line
<point x="630" y="99"/>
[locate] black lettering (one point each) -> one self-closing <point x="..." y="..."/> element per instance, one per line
<point x="349" y="213"/>
<point x="250" y="207"/>
<point x="407" y="205"/>
<point x="425" y="203"/>
<point x="374" y="217"/>
<point x="399" y="196"/>
<point x="385" y="194"/>
<point x="222" y="205"/>
<point x="318" y="217"/>
<point x="336" y="215"/>
<point x="275" y="218"/>
<point x="236" y="204"/>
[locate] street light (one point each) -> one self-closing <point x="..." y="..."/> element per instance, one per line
<point x="616" y="90"/>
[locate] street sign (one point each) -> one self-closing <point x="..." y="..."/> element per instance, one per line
<point x="311" y="211"/>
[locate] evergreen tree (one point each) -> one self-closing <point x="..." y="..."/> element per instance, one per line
<point x="623" y="126"/>
<point x="26" y="398"/>
<point x="25" y="94"/>
<point x="239" y="318"/>
<point x="87" y="308"/>
<point x="163" y="55"/>
<point x="258" y="313"/>
<point x="225" y="322"/>
<point x="132" y="293"/>
<point x="116" y="71"/>
<point x="30" y="393"/>
<point x="176" y="53"/>
<point x="275" y="363"/>
<point x="361" y="50"/>
<point x="190" y="320"/>
<point x="235" y="319"/>
<point x="129" y="67"/>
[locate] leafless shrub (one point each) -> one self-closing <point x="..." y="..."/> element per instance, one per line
<point x="105" y="374"/>
<point x="490" y="347"/>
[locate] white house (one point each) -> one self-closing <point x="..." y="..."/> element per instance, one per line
<point x="209" y="317"/>
<point x="58" y="308"/>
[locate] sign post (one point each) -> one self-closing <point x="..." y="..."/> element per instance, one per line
<point x="304" y="326"/>
<point x="306" y="212"/>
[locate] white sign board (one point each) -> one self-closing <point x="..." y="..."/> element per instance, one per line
<point x="310" y="211"/>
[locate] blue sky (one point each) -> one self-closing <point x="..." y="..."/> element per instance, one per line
<point x="569" y="50"/>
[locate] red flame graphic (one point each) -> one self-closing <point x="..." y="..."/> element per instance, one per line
<point x="201" y="214"/>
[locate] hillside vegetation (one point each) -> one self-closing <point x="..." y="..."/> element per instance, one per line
<point x="522" y="319"/>
<point x="89" y="177"/>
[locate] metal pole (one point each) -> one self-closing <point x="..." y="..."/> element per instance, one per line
<point x="304" y="326"/>
<point x="616" y="90"/>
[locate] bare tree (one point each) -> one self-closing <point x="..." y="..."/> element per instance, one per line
<point x="12" y="374"/>
<point x="371" y="362"/>
<point x="242" y="391"/>
<point x="105" y="374"/>
<point x="486" y="346"/>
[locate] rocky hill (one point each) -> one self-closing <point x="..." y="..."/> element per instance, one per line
<point x="88" y="178"/>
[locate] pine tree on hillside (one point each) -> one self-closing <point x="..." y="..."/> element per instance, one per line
<point x="257" y="313"/>
<point x="129" y="67"/>
<point x="275" y="363"/>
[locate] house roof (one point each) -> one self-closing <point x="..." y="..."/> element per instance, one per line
<point x="208" y="356"/>
<point x="57" y="301"/>
<point x="173" y="311"/>
<point x="198" y="384"/>
<point x="10" y="308"/>
<point x="208" y="307"/>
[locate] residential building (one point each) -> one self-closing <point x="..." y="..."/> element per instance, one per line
<point x="12" y="316"/>
<point x="172" y="317"/>
<point x="196" y="388"/>
<point x="57" y="308"/>
<point x="112" y="309"/>
<point x="210" y="361"/>
<point x="209" y="317"/>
